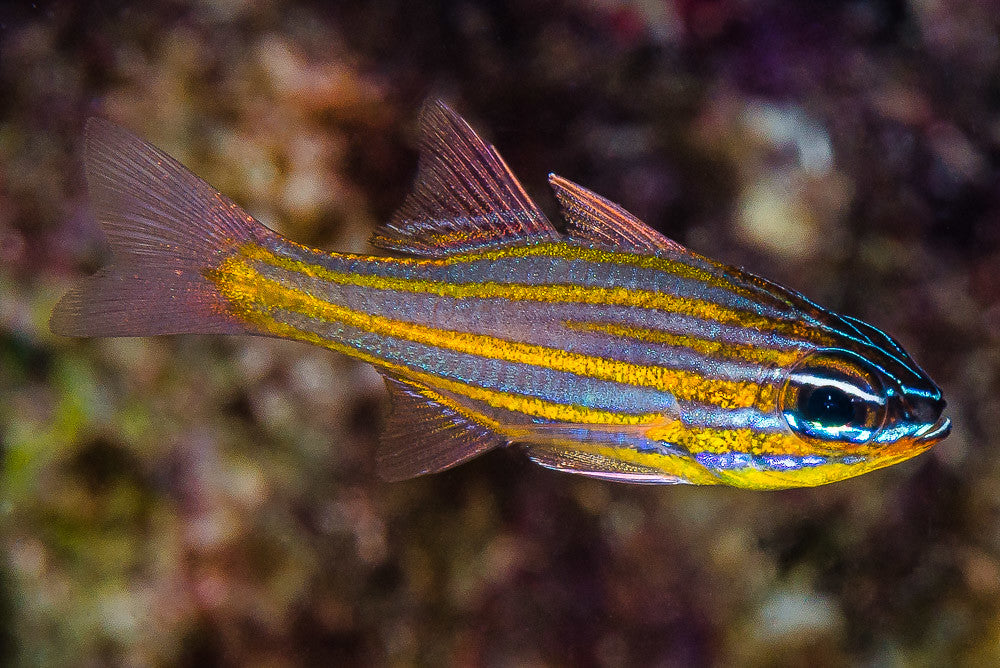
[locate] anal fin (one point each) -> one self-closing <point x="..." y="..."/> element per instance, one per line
<point x="426" y="435"/>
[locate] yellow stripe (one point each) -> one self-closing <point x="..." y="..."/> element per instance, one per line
<point x="715" y="440"/>
<point x="624" y="258"/>
<point x="248" y="291"/>
<point x="253" y="299"/>
<point x="543" y="293"/>
<point x="811" y="476"/>
<point x="708" y="347"/>
<point x="565" y="251"/>
<point x="463" y="410"/>
<point x="684" y="467"/>
<point x="683" y="385"/>
<point x="525" y="405"/>
<point x="561" y="251"/>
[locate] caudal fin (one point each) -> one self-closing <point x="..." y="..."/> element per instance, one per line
<point x="166" y="228"/>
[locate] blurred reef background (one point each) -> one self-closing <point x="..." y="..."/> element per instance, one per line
<point x="193" y="500"/>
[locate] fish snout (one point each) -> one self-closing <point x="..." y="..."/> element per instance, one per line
<point x="926" y="409"/>
<point x="927" y="412"/>
<point x="919" y="415"/>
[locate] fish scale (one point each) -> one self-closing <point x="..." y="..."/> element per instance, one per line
<point x="582" y="327"/>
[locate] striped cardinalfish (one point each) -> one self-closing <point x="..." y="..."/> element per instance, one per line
<point x="606" y="350"/>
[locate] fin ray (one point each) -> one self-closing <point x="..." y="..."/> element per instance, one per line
<point x="598" y="466"/>
<point x="590" y="217"/>
<point x="423" y="435"/>
<point x="465" y="196"/>
<point x="148" y="203"/>
<point x="166" y="227"/>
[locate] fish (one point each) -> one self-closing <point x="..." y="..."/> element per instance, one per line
<point x="603" y="349"/>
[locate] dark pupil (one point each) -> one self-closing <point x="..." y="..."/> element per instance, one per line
<point x="827" y="405"/>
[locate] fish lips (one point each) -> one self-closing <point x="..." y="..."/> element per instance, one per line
<point x="927" y="409"/>
<point x="934" y="431"/>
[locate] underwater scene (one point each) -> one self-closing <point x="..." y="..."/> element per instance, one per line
<point x="500" y="333"/>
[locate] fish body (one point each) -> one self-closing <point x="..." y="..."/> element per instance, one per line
<point x="607" y="350"/>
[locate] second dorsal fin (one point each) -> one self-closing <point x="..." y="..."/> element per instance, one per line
<point x="590" y="217"/>
<point x="465" y="196"/>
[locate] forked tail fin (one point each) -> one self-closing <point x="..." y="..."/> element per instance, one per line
<point x="167" y="228"/>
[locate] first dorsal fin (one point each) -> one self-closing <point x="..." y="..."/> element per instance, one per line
<point x="424" y="435"/>
<point x="465" y="196"/>
<point x="590" y="217"/>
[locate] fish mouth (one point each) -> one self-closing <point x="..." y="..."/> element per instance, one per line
<point x="935" y="431"/>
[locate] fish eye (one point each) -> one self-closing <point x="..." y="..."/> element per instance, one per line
<point x="833" y="396"/>
<point x="828" y="405"/>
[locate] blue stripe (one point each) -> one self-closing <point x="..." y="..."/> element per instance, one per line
<point x="498" y="375"/>
<point x="544" y="271"/>
<point x="542" y="323"/>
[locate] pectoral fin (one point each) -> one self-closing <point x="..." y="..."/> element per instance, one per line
<point x="425" y="434"/>
<point x="597" y="465"/>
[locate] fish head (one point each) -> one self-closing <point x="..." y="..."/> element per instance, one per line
<point x="842" y="402"/>
<point x="861" y="406"/>
<point x="855" y="404"/>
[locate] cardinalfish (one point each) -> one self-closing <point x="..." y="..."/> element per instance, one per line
<point x="606" y="349"/>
